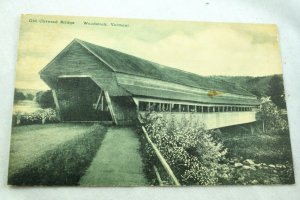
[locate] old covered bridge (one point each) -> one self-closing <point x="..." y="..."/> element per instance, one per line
<point x="94" y="83"/>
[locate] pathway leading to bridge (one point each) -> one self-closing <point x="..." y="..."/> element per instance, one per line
<point x="117" y="162"/>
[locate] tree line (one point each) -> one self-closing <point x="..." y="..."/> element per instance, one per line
<point x="265" y="86"/>
<point x="43" y="98"/>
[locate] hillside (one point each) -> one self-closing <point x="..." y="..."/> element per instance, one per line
<point x="258" y="86"/>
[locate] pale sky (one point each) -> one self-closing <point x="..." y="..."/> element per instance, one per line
<point x="201" y="48"/>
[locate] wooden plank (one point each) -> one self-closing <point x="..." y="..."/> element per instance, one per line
<point x="110" y="107"/>
<point x="102" y="104"/>
<point x="96" y="55"/>
<point x="158" y="176"/>
<point x="171" y="86"/>
<point x="98" y="101"/>
<point x="56" y="105"/>
<point x="161" y="158"/>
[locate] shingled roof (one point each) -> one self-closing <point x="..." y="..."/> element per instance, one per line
<point x="128" y="64"/>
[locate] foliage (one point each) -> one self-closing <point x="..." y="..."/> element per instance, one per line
<point x="63" y="165"/>
<point x="271" y="155"/>
<point x="258" y="86"/>
<point x="42" y="116"/>
<point x="232" y="155"/>
<point x="45" y="99"/>
<point x="18" y="96"/>
<point x="29" y="96"/>
<point x="271" y="117"/>
<point x="188" y="148"/>
<point x="261" y="86"/>
<point x="263" y="148"/>
<point x="276" y="91"/>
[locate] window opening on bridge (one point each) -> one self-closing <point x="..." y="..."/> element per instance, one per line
<point x="184" y="108"/>
<point x="143" y="106"/>
<point x="169" y="107"/>
<point x="154" y="106"/>
<point x="216" y="109"/>
<point x="175" y="108"/>
<point x="165" y="107"/>
<point x="199" y="108"/>
<point x="192" y="108"/>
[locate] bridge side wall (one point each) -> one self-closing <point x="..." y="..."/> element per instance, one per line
<point x="212" y="120"/>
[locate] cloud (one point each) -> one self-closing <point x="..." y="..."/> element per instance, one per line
<point x="215" y="51"/>
<point x="202" y="48"/>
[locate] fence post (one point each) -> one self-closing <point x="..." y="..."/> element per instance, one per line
<point x="161" y="158"/>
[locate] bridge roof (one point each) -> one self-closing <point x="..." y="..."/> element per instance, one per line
<point x="186" y="96"/>
<point x="129" y="64"/>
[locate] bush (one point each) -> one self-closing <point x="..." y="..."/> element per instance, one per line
<point x="39" y="117"/>
<point x="189" y="149"/>
<point x="45" y="99"/>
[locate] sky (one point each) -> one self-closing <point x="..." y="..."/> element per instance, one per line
<point x="203" y="48"/>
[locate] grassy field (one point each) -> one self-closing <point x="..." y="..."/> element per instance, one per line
<point x="26" y="106"/>
<point x="56" y="154"/>
<point x="265" y="148"/>
<point x="271" y="154"/>
<point x="30" y="142"/>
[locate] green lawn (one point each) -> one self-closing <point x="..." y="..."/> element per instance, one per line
<point x="55" y="154"/>
<point x="31" y="141"/>
<point x="117" y="162"/>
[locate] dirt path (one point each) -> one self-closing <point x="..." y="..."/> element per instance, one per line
<point x="117" y="162"/>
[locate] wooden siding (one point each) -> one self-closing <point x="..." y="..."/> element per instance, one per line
<point x="151" y="88"/>
<point x="148" y="82"/>
<point x="212" y="120"/>
<point x="125" y="110"/>
<point x="75" y="60"/>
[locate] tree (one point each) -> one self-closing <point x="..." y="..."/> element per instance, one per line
<point x="276" y="91"/>
<point x="271" y="118"/>
<point x="18" y="96"/>
<point x="45" y="99"/>
<point x="29" y="96"/>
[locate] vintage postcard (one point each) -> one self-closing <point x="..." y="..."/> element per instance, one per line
<point x="128" y="102"/>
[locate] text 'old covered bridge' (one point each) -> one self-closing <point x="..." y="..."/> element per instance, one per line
<point x="94" y="83"/>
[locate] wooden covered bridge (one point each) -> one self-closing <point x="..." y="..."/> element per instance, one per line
<point x="94" y="83"/>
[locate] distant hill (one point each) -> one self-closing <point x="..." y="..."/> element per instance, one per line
<point x="258" y="86"/>
<point x="27" y="91"/>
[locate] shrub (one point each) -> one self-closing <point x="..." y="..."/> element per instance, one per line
<point x="189" y="149"/>
<point x="45" y="99"/>
<point x="39" y="117"/>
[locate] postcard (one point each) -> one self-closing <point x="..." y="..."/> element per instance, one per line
<point x="135" y="102"/>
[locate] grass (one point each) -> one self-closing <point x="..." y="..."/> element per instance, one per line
<point x="261" y="147"/>
<point x="270" y="149"/>
<point x="29" y="142"/>
<point x="57" y="154"/>
<point x="118" y="162"/>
